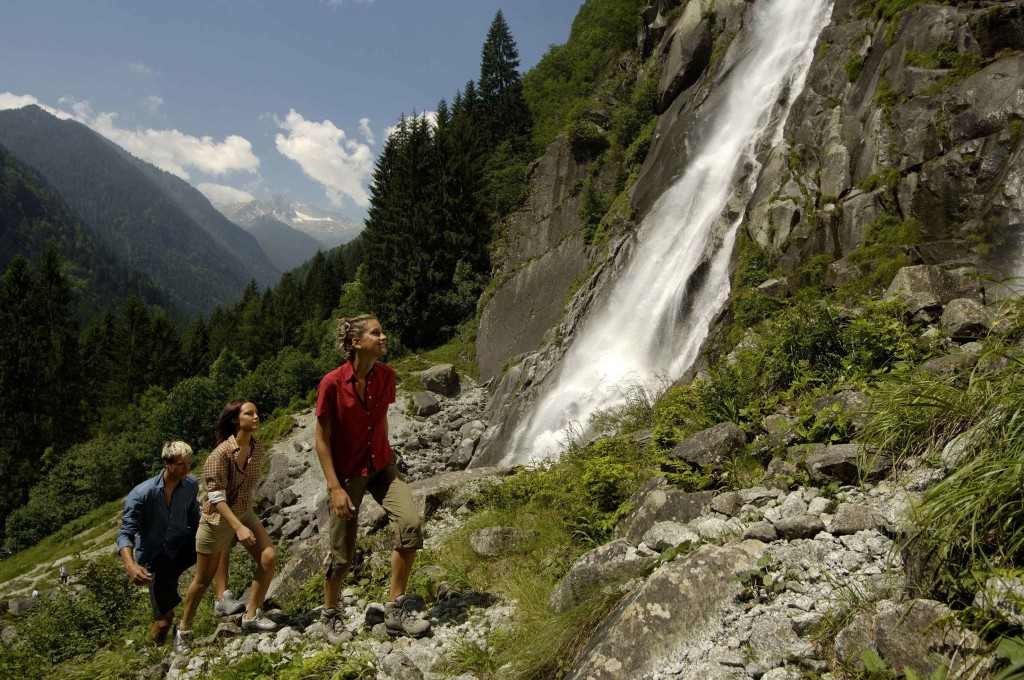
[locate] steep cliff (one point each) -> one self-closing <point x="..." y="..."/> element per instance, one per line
<point x="903" y="147"/>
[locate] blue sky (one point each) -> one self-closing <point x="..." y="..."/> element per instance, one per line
<point x="250" y="99"/>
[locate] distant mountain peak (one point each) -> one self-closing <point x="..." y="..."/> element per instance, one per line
<point x="328" y="227"/>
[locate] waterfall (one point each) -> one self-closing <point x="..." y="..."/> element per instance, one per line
<point x="651" y="324"/>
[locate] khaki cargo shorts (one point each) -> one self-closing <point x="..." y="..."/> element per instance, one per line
<point x="389" y="489"/>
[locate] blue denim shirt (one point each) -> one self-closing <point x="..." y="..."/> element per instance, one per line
<point x="151" y="526"/>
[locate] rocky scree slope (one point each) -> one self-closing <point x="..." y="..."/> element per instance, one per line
<point x="797" y="576"/>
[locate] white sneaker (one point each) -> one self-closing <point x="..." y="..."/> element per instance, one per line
<point x="228" y="606"/>
<point x="182" y="640"/>
<point x="258" y="623"/>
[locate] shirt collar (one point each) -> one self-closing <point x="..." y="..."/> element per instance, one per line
<point x="160" y="478"/>
<point x="348" y="372"/>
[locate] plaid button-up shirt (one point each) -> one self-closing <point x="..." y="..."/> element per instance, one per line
<point x="221" y="473"/>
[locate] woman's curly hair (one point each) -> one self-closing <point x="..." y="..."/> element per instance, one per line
<point x="348" y="331"/>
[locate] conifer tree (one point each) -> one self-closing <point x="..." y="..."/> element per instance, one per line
<point x="134" y="339"/>
<point x="40" y="388"/>
<point x="59" y="369"/>
<point x="195" y="349"/>
<point x="165" y="360"/>
<point x="20" y="444"/>
<point x="507" y="116"/>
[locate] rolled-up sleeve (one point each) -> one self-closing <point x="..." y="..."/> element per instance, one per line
<point x="215" y="476"/>
<point x="131" y="520"/>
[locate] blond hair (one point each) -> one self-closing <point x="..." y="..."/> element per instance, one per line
<point x="348" y="331"/>
<point x="175" y="450"/>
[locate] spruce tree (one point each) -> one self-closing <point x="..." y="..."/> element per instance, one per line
<point x="59" y="369"/>
<point x="507" y="116"/>
<point x="195" y="349"/>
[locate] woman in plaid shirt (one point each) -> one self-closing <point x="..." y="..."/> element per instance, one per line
<point x="230" y="474"/>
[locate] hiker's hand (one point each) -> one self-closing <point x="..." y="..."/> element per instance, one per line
<point x="341" y="504"/>
<point x="245" y="535"/>
<point x="139" y="575"/>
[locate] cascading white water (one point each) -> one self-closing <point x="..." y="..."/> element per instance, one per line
<point x="652" y="323"/>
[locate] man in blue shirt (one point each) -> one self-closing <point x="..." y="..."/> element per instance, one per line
<point x="157" y="541"/>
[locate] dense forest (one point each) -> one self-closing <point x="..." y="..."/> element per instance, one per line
<point x="90" y="391"/>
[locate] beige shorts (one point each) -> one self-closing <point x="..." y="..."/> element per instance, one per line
<point x="216" y="538"/>
<point x="389" y="489"/>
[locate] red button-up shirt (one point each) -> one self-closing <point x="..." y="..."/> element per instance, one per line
<point x="359" y="438"/>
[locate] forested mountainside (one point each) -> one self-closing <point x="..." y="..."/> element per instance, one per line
<point x="31" y="213"/>
<point x="286" y="246"/>
<point x="152" y="221"/>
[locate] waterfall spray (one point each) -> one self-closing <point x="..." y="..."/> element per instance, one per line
<point x="657" y="314"/>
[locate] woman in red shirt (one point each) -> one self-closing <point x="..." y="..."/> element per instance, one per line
<point x="356" y="457"/>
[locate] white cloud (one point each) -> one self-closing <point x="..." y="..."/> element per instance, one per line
<point x="221" y="194"/>
<point x="153" y="103"/>
<point x="341" y="165"/>
<point x="169" y="150"/>
<point x="80" y="110"/>
<point x="364" y="127"/>
<point x="139" y="67"/>
<point x="9" y="100"/>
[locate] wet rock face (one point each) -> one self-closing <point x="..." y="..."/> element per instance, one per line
<point x="885" y="126"/>
<point x="545" y="253"/>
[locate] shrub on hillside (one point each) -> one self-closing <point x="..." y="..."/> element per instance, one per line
<point x="74" y="623"/>
<point x="276" y="381"/>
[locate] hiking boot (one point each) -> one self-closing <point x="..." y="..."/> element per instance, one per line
<point x="182" y="640"/>
<point x="228" y="606"/>
<point x="334" y="627"/>
<point x="258" y="623"/>
<point x="401" y="618"/>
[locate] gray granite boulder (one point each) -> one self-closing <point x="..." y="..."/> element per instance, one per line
<point x="928" y="287"/>
<point x="966" y="319"/>
<point x="657" y="502"/>
<point x="424" y="404"/>
<point x="761" y="531"/>
<point x="803" y="526"/>
<point x="712" y="446"/>
<point x="728" y="503"/>
<point x="398" y="666"/>
<point x="950" y="365"/>
<point x="919" y="635"/>
<point x="665" y="535"/>
<point x="850" y="518"/>
<point x="441" y="379"/>
<point x="667" y="613"/>
<point x="1003" y="597"/>
<point x="495" y="541"/>
<point x="462" y="454"/>
<point x="851" y="405"/>
<point x="611" y="564"/>
<point x="844" y="463"/>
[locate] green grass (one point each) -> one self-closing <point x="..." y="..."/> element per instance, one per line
<point x="60" y="544"/>
<point x="528" y="575"/>
<point x="340" y="663"/>
<point x="459" y="351"/>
